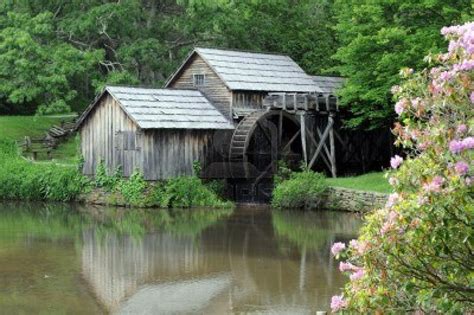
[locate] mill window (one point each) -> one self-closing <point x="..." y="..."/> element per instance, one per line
<point x="199" y="79"/>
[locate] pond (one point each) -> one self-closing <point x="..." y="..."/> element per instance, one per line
<point x="74" y="259"/>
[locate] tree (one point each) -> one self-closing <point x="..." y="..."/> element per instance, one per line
<point x="380" y="37"/>
<point x="417" y="253"/>
<point x="87" y="44"/>
<point x="35" y="69"/>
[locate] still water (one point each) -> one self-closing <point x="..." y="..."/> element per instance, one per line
<point x="70" y="259"/>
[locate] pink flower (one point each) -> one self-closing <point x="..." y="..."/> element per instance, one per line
<point x="387" y="226"/>
<point x="445" y="76"/>
<point x="461" y="168"/>
<point x="416" y="102"/>
<point x="461" y="129"/>
<point x="396" y="161"/>
<point x="472" y="97"/>
<point x="468" y="143"/>
<point x="337" y="248"/>
<point x="424" y="145"/>
<point x="359" y="246"/>
<point x="346" y="266"/>
<point x="400" y="106"/>
<point x="434" y="185"/>
<point x="456" y="146"/>
<point x="338" y="303"/>
<point x="354" y="243"/>
<point x="357" y="275"/>
<point x="392" y="200"/>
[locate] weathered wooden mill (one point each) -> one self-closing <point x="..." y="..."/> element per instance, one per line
<point x="237" y="113"/>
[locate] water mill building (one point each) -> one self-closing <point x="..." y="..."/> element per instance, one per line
<point x="235" y="113"/>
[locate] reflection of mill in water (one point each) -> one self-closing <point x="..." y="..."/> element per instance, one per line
<point x="236" y="265"/>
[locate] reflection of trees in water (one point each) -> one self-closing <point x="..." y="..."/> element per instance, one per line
<point x="60" y="220"/>
<point x="38" y="220"/>
<point x="314" y="230"/>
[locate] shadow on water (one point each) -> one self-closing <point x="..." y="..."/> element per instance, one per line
<point x="87" y="260"/>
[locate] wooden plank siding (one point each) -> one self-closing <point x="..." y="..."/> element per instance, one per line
<point x="248" y="99"/>
<point x="102" y="139"/>
<point x="214" y="89"/>
<point x="108" y="134"/>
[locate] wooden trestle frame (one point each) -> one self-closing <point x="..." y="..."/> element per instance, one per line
<point x="316" y="133"/>
<point x="310" y="105"/>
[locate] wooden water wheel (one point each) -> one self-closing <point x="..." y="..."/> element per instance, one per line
<point x="260" y="140"/>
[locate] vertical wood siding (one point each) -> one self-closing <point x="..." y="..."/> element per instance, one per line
<point x="248" y="100"/>
<point x="170" y="152"/>
<point x="105" y="136"/>
<point x="109" y="135"/>
<point x="213" y="87"/>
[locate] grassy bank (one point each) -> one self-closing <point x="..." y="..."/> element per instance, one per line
<point x="21" y="179"/>
<point x="368" y="182"/>
<point x="16" y="128"/>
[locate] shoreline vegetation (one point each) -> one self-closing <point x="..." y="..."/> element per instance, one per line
<point x="22" y="179"/>
<point x="309" y="190"/>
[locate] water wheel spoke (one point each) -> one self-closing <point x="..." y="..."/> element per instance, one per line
<point x="290" y="142"/>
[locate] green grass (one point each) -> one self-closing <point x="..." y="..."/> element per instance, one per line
<point x="17" y="127"/>
<point x="367" y="182"/>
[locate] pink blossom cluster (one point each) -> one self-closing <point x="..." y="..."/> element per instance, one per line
<point x="461" y="129"/>
<point x="435" y="185"/>
<point x="337" y="248"/>
<point x="359" y="246"/>
<point x="357" y="272"/>
<point x="458" y="146"/>
<point x="465" y="35"/>
<point x="396" y="161"/>
<point x="338" y="303"/>
<point x="393" y="199"/>
<point x="462" y="168"/>
<point x="389" y="223"/>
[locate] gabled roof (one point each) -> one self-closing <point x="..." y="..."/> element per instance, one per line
<point x="253" y="71"/>
<point x="328" y="85"/>
<point x="165" y="108"/>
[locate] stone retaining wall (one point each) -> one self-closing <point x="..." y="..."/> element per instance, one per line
<point x="337" y="198"/>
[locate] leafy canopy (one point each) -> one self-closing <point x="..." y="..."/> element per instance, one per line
<point x="378" y="37"/>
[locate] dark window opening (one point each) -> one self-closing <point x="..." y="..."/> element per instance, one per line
<point x="198" y="79"/>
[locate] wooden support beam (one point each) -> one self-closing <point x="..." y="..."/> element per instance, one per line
<point x="303" y="138"/>
<point x="280" y="128"/>
<point x="291" y="141"/>
<point x="326" y="150"/>
<point x="332" y="145"/>
<point x="263" y="127"/>
<point x="321" y="143"/>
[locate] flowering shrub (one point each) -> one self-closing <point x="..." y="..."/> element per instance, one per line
<point x="417" y="253"/>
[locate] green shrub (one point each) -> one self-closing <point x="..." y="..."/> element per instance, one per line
<point x="283" y="173"/>
<point x="133" y="189"/>
<point x="217" y="186"/>
<point x="189" y="191"/>
<point x="106" y="181"/>
<point x="302" y="190"/>
<point x="22" y="179"/>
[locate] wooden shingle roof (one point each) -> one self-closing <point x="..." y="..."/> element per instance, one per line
<point x="328" y="85"/>
<point x="254" y="71"/>
<point x="166" y="108"/>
